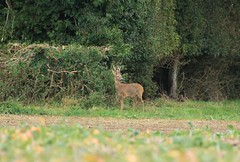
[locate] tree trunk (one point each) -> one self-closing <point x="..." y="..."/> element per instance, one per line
<point x="173" y="79"/>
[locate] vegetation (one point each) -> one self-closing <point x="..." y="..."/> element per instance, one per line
<point x="167" y="46"/>
<point x="40" y="71"/>
<point x="30" y="143"/>
<point x="227" y="110"/>
<point x="56" y="58"/>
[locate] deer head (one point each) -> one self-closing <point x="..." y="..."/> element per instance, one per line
<point x="117" y="74"/>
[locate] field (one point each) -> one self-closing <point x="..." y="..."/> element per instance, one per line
<point x="190" y="131"/>
<point x="77" y="143"/>
<point x="115" y="124"/>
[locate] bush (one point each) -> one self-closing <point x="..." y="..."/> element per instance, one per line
<point x="40" y="71"/>
<point x="95" y="98"/>
<point x="10" y="108"/>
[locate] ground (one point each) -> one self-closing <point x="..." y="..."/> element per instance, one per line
<point x="112" y="124"/>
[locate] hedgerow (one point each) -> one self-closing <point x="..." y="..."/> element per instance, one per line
<point x="41" y="71"/>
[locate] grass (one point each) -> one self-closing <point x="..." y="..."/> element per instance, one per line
<point x="226" y="110"/>
<point x="75" y="143"/>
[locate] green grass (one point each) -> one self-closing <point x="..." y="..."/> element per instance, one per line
<point x="64" y="143"/>
<point x="226" y="110"/>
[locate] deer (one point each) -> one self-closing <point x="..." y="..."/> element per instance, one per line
<point x="132" y="90"/>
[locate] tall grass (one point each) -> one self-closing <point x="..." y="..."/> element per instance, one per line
<point x="225" y="110"/>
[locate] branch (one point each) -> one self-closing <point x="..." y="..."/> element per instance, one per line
<point x="64" y="71"/>
<point x="9" y="4"/>
<point x="59" y="72"/>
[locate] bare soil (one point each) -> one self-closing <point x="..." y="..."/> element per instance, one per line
<point x="112" y="124"/>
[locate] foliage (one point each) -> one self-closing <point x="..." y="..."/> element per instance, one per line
<point x="189" y="15"/>
<point x="208" y="28"/>
<point x="40" y="71"/>
<point x="143" y="35"/>
<point x="98" y="23"/>
<point x="75" y="143"/>
<point x="165" y="36"/>
<point x="222" y="38"/>
<point x="64" y="22"/>
<point x="134" y="19"/>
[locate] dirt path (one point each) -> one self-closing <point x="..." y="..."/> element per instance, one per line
<point x="112" y="124"/>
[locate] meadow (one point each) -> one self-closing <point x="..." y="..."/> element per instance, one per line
<point x="163" y="109"/>
<point x="77" y="143"/>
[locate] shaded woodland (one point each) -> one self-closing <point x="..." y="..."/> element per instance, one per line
<point x="66" y="48"/>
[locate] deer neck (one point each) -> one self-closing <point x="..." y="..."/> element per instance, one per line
<point x="117" y="83"/>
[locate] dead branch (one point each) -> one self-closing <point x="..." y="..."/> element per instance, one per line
<point x="63" y="71"/>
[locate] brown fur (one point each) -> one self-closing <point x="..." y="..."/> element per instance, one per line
<point x="133" y="90"/>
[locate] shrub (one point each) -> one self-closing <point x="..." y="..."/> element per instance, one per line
<point x="40" y="71"/>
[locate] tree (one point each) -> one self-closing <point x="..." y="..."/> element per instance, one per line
<point x="166" y="43"/>
<point x="122" y="25"/>
<point x="208" y="32"/>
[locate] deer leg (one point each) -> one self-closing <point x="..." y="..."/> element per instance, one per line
<point x="140" y="96"/>
<point x="135" y="102"/>
<point x="142" y="104"/>
<point x="122" y="103"/>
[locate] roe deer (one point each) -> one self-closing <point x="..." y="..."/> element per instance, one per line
<point x="133" y="90"/>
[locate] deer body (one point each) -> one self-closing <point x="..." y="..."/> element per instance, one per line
<point x="132" y="90"/>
